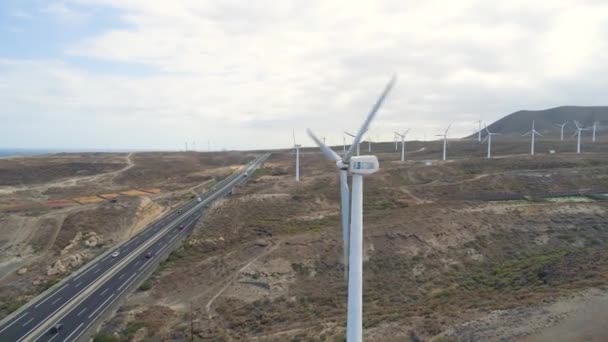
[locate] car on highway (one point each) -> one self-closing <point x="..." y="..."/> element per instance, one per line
<point x="181" y="226"/>
<point x="115" y="254"/>
<point x="148" y="255"/>
<point x="199" y="200"/>
<point x="55" y="328"/>
<point x="179" y="211"/>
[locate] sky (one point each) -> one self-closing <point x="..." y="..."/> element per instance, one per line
<point x="152" y="74"/>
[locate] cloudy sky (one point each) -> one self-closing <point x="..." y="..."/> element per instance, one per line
<point x="150" y="74"/>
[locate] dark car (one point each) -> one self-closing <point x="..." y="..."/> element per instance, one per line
<point x="148" y="255"/>
<point x="181" y="226"/>
<point x="55" y="329"/>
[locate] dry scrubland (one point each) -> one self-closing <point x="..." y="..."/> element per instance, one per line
<point x="265" y="264"/>
<point x="45" y="234"/>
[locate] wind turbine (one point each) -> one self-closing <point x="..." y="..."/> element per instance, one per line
<point x="533" y="132"/>
<point x="579" y="129"/>
<point x="369" y="145"/>
<point x="594" y="128"/>
<point x="354" y="136"/>
<point x="396" y="138"/>
<point x="297" y="147"/>
<point x="479" y="131"/>
<point x="561" y="136"/>
<point x="489" y="139"/>
<point x="357" y="167"/>
<point x="343" y="144"/>
<point x="402" y="143"/>
<point x="445" y="141"/>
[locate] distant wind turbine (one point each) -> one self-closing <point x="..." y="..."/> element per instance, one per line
<point x="594" y="128"/>
<point x="297" y="147"/>
<point x="488" y="138"/>
<point x="561" y="136"/>
<point x="533" y="133"/>
<point x="402" y="136"/>
<point x="358" y="144"/>
<point x="445" y="141"/>
<point x="479" y="131"/>
<point x="578" y="132"/>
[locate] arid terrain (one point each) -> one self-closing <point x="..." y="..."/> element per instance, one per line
<point x="464" y="250"/>
<point x="59" y="211"/>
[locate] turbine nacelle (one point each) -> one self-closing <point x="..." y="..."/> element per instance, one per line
<point x="363" y="165"/>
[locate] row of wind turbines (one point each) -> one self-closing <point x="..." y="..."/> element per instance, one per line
<point x="533" y="133"/>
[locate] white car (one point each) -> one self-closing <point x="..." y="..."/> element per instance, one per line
<point x="115" y="254"/>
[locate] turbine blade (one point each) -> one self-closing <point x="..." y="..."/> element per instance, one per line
<point x="447" y="129"/>
<point x="485" y="139"/>
<point x="369" y="118"/>
<point x="526" y="134"/>
<point x="328" y="152"/>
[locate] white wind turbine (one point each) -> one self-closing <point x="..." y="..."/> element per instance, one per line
<point x="488" y="138"/>
<point x="356" y="166"/>
<point x="358" y="143"/>
<point x="533" y="132"/>
<point x="594" y="128"/>
<point x="402" y="136"/>
<point x="561" y="135"/>
<point x="578" y="131"/>
<point x="297" y="147"/>
<point x="445" y="141"/>
<point x="479" y="131"/>
<point x="396" y="138"/>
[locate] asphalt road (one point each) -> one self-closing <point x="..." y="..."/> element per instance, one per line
<point x="81" y="300"/>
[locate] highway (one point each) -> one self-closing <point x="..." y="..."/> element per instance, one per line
<point x="84" y="296"/>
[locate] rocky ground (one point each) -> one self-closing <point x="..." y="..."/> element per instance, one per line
<point x="441" y="263"/>
<point x="59" y="211"/>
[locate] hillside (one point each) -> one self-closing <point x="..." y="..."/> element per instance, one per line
<point x="520" y="121"/>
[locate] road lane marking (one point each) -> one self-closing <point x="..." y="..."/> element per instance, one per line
<point x="104" y="291"/>
<point x="122" y="275"/>
<point x="55" y="301"/>
<point x="137" y="263"/>
<point x="102" y="304"/>
<point x="75" y="330"/>
<point x="49" y="297"/>
<point x="133" y="275"/>
<point x="81" y="312"/>
<point x="15" y="321"/>
<point x="52" y="338"/>
<point x="28" y="321"/>
<point x="144" y="265"/>
<point x="96" y="270"/>
<point x="80" y="283"/>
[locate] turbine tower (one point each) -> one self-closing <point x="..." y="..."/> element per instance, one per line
<point x="445" y="141"/>
<point x="396" y="139"/>
<point x="533" y="133"/>
<point x="297" y="147"/>
<point x="479" y="131"/>
<point x="402" y="136"/>
<point x="561" y="135"/>
<point x="488" y="138"/>
<point x="357" y="167"/>
<point x="578" y="131"/>
<point x="359" y="143"/>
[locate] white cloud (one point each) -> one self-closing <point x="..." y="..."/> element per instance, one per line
<point x="245" y="73"/>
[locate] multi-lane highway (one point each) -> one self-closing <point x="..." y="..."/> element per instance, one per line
<point x="79" y="301"/>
